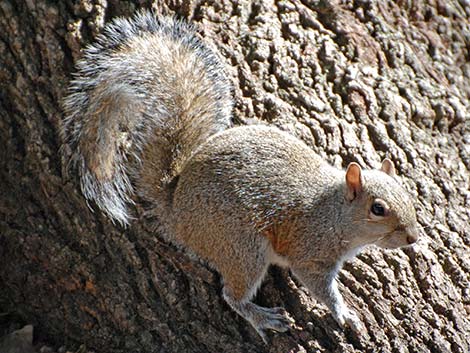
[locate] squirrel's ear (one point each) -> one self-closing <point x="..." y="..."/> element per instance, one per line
<point x="388" y="167"/>
<point x="353" y="181"/>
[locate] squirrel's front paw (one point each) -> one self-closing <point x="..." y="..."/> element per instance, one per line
<point x="348" y="317"/>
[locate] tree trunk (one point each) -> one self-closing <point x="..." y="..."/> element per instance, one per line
<point x="356" y="80"/>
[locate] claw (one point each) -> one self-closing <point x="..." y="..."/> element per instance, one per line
<point x="262" y="335"/>
<point x="276" y="319"/>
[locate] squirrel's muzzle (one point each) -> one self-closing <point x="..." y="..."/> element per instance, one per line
<point x="412" y="236"/>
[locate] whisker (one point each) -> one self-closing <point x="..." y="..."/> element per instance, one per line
<point x="364" y="220"/>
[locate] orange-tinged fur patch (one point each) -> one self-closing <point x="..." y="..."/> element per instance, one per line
<point x="278" y="236"/>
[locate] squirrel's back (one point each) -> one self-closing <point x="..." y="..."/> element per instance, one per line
<point x="256" y="173"/>
<point x="145" y="96"/>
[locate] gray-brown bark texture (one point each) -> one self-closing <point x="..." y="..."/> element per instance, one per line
<point x="356" y="80"/>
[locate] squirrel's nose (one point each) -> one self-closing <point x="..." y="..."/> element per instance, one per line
<point x="412" y="236"/>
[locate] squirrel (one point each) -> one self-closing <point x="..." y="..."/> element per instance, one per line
<point x="149" y="114"/>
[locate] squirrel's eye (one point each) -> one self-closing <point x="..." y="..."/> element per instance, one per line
<point x="378" y="209"/>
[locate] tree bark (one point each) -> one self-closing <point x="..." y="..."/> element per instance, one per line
<point x="357" y="80"/>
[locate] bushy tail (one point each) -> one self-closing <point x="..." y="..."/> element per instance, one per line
<point x="145" y="96"/>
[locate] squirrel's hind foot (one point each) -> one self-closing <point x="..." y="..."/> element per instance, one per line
<point x="262" y="318"/>
<point x="276" y="319"/>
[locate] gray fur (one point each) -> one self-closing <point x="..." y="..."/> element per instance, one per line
<point x="123" y="91"/>
<point x="150" y="110"/>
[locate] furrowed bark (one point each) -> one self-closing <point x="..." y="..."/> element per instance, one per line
<point x="358" y="81"/>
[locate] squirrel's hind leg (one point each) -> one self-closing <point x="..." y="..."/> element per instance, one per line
<point x="241" y="287"/>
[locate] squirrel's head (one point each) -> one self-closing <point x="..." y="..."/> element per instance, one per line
<point x="380" y="207"/>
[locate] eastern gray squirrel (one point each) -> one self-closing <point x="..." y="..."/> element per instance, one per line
<point x="149" y="113"/>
